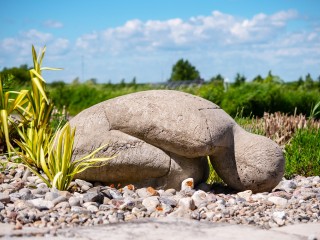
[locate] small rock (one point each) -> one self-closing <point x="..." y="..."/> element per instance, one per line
<point x="115" y="194"/>
<point x="164" y="208"/>
<point x="279" y="201"/>
<point x="59" y="199"/>
<point x="186" y="203"/>
<point x="4" y="198"/>
<point x="282" y="194"/>
<point x="170" y="191"/>
<point x="77" y="209"/>
<point x="281" y="215"/>
<point x="199" y="198"/>
<point x="21" y="205"/>
<point x="92" y="208"/>
<point x="51" y="196"/>
<point x="143" y="193"/>
<point x="62" y="205"/>
<point x="41" y="204"/>
<point x="286" y="185"/>
<point x="84" y="185"/>
<point x="150" y="203"/>
<point x="74" y="201"/>
<point x="152" y="191"/>
<point x="187" y="184"/>
<point x="26" y="175"/>
<point x="279" y="218"/>
<point x="180" y="212"/>
<point x="168" y="201"/>
<point x="245" y="194"/>
<point x="2" y="177"/>
<point x="93" y="197"/>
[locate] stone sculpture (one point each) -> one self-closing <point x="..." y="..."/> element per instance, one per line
<point x="161" y="137"/>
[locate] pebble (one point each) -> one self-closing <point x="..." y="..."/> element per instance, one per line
<point x="26" y="201"/>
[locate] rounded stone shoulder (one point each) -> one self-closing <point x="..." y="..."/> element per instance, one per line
<point x="174" y="121"/>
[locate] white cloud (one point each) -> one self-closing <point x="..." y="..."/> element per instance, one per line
<point x="217" y="43"/>
<point x="218" y="29"/>
<point x="18" y="50"/>
<point x="53" y="24"/>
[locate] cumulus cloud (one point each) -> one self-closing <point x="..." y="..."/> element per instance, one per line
<point x="53" y="24"/>
<point x="229" y="43"/>
<point x="217" y="29"/>
<point x="19" y="48"/>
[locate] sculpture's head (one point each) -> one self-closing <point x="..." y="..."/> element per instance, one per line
<point x="250" y="162"/>
<point x="260" y="161"/>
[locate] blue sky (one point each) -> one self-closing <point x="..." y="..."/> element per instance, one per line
<point x="114" y="40"/>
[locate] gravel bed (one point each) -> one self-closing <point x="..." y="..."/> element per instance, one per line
<point x="25" y="201"/>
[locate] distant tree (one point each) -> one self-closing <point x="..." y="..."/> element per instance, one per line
<point x="91" y="81"/>
<point x="270" y="78"/>
<point x="258" y="79"/>
<point x="122" y="82"/>
<point x="308" y="83"/>
<point x="239" y="80"/>
<point x="20" y="74"/>
<point x="75" y="81"/>
<point x="134" y="81"/>
<point x="217" y="78"/>
<point x="300" y="81"/>
<point x="57" y="84"/>
<point x="183" y="70"/>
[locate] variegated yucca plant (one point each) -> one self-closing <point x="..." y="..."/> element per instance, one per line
<point x="11" y="102"/>
<point x="46" y="153"/>
<point x="55" y="159"/>
<point x="36" y="133"/>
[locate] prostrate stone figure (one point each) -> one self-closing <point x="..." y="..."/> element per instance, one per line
<point x="162" y="137"/>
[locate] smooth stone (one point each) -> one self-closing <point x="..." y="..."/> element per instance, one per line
<point x="115" y="194"/>
<point x="82" y="183"/>
<point x="41" y="204"/>
<point x="199" y="198"/>
<point x="77" y="209"/>
<point x="1" y="206"/>
<point x="168" y="201"/>
<point x="59" y="199"/>
<point x="282" y="202"/>
<point x="4" y="198"/>
<point x="245" y="194"/>
<point x="74" y="201"/>
<point x="186" y="203"/>
<point x="180" y="212"/>
<point x="151" y="203"/>
<point x="62" y="205"/>
<point x="187" y="184"/>
<point x="93" y="197"/>
<point x="50" y="196"/>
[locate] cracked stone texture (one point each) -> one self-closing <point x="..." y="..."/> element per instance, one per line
<point x="161" y="137"/>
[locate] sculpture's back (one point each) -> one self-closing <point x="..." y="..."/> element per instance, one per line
<point x="163" y="136"/>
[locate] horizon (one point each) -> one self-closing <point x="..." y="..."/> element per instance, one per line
<point x="111" y="41"/>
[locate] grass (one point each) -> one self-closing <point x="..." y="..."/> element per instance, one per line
<point x="298" y="135"/>
<point x="303" y="153"/>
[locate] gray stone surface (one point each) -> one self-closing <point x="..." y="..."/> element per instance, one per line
<point x="162" y="137"/>
<point x="169" y="228"/>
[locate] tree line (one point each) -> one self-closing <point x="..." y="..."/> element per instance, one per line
<point x="250" y="98"/>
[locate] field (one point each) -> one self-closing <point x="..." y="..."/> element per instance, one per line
<point x="286" y="112"/>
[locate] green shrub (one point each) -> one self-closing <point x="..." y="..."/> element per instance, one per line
<point x="303" y="153"/>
